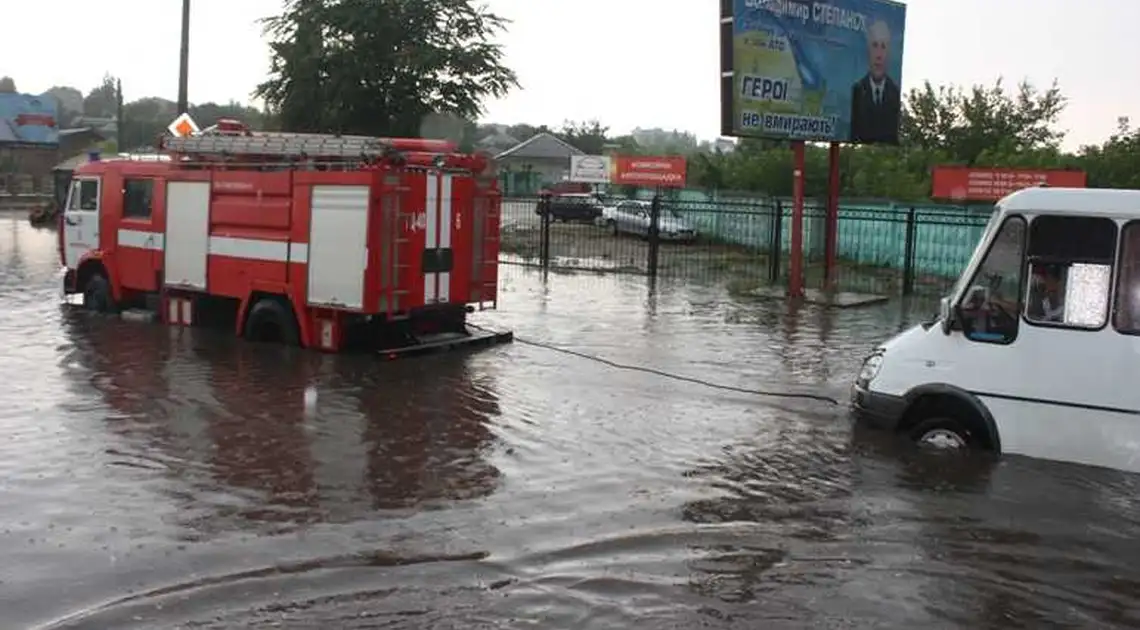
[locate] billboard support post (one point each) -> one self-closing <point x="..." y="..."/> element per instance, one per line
<point x="831" y="230"/>
<point x="796" y="264"/>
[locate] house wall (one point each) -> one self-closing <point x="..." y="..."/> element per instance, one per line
<point x="519" y="181"/>
<point x="26" y="170"/>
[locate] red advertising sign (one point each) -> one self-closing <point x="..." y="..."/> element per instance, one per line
<point x="965" y="183"/>
<point x="651" y="172"/>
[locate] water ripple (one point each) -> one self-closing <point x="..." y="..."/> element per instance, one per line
<point x="158" y="477"/>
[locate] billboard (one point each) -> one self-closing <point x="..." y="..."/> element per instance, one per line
<point x="965" y="183"/>
<point x="590" y="169"/>
<point x="26" y="118"/>
<point x="649" y="172"/>
<point x="812" y="71"/>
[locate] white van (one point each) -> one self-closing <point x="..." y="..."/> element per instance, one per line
<point x="1036" y="351"/>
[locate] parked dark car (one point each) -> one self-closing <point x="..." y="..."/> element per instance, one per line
<point x="576" y="207"/>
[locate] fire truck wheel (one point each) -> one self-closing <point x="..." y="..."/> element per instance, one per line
<point x="270" y="321"/>
<point x="97" y="294"/>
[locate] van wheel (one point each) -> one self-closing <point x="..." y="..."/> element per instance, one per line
<point x="97" y="294"/>
<point x="271" y="321"/>
<point x="943" y="433"/>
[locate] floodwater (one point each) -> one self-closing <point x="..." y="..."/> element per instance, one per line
<point x="158" y="478"/>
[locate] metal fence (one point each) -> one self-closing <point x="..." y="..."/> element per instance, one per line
<point x="881" y="251"/>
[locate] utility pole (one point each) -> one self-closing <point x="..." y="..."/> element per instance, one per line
<point x="119" y="143"/>
<point x="184" y="60"/>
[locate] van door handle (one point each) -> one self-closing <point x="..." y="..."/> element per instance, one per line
<point x="70" y="221"/>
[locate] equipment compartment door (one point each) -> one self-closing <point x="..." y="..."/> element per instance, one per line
<point x="338" y="246"/>
<point x="187" y="234"/>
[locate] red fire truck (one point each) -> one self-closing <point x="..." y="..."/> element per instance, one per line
<point x="322" y="241"/>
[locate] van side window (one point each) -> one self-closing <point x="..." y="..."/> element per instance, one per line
<point x="137" y="198"/>
<point x="1126" y="313"/>
<point x="991" y="304"/>
<point x="1070" y="264"/>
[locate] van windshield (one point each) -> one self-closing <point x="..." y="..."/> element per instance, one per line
<point x="979" y="251"/>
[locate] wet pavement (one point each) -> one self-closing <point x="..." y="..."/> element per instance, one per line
<point x="158" y="478"/>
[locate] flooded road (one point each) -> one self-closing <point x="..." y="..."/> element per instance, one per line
<point x="162" y="478"/>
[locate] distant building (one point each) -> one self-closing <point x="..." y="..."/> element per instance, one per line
<point x="497" y="141"/>
<point x="724" y="145"/>
<point x="25" y="169"/>
<point x="659" y="140"/>
<point x="29" y="142"/>
<point x="107" y="126"/>
<point x="538" y="161"/>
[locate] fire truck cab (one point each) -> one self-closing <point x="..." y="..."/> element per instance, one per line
<point x="320" y="241"/>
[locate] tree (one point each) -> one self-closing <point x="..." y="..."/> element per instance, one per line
<point x="967" y="124"/>
<point x="7" y="85"/>
<point x="588" y="137"/>
<point x="102" y="102"/>
<point x="380" y="67"/>
<point x="1116" y="163"/>
<point x="980" y="126"/>
<point x="70" y="101"/>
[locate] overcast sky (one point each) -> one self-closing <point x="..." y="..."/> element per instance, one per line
<point x="629" y="63"/>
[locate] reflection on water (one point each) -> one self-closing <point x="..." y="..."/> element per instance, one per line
<point x="158" y="477"/>
<point x="273" y="439"/>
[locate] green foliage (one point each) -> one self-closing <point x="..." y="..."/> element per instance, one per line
<point x="142" y="121"/>
<point x="982" y="126"/>
<point x="382" y="67"/>
<point x="590" y="137"/>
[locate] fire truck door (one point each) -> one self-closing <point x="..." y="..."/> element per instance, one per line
<point x="187" y="234"/>
<point x="81" y="220"/>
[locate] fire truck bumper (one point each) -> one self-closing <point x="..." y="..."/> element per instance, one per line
<point x="69" y="282"/>
<point x="472" y="337"/>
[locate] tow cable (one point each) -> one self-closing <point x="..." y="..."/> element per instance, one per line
<point x="668" y="375"/>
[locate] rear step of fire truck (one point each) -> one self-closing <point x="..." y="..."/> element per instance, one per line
<point x="442" y="342"/>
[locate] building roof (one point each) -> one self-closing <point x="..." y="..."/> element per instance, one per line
<point x="72" y="163"/>
<point x="496" y="140"/>
<point x="7" y="133"/>
<point x="542" y="146"/>
<point x="75" y="131"/>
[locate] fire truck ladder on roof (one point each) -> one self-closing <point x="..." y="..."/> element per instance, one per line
<point x="280" y="146"/>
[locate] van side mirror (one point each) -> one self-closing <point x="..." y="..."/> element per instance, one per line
<point x="951" y="316"/>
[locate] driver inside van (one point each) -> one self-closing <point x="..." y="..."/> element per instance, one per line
<point x="1047" y="301"/>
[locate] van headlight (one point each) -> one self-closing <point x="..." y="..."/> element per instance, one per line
<point x="870" y="369"/>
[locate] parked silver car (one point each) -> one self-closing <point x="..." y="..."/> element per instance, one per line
<point x="632" y="217"/>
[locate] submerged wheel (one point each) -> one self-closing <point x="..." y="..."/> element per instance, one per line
<point x="944" y="433"/>
<point x="271" y="321"/>
<point x="612" y="225"/>
<point x="97" y="294"/>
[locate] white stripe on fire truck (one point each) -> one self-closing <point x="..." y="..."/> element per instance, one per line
<point x="431" y="233"/>
<point x="443" y="279"/>
<point x="248" y="248"/>
<point x="142" y="240"/>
